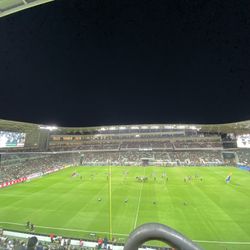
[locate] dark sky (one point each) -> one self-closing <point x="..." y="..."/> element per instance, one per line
<point x="99" y="62"/>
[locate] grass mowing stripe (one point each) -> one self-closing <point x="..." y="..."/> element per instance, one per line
<point x="94" y="197"/>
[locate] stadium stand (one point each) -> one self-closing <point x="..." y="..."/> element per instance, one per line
<point x="58" y="243"/>
<point x="15" y="166"/>
<point x="244" y="156"/>
<point x="129" y="145"/>
<point x="22" y="244"/>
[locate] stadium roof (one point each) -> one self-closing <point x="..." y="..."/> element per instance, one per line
<point x="242" y="127"/>
<point x="8" y="7"/>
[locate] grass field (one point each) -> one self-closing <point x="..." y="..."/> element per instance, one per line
<point x="211" y="212"/>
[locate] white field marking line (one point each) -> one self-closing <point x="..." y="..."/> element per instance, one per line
<point x="77" y="230"/>
<point x="63" y="229"/>
<point x="224" y="242"/>
<point x="139" y="202"/>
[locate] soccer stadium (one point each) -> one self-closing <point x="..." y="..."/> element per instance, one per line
<point x="90" y="187"/>
<point x="139" y="186"/>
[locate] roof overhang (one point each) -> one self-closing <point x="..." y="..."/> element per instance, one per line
<point x="237" y="128"/>
<point x="8" y="7"/>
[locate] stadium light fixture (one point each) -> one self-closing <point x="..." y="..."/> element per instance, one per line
<point x="168" y="126"/>
<point x="193" y="127"/>
<point x="134" y="127"/>
<point x="154" y="127"/>
<point x="181" y="126"/>
<point x="50" y="128"/>
<point x="144" y="127"/>
<point x="122" y="128"/>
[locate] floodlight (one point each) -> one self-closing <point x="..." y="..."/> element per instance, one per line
<point x="122" y="127"/>
<point x="50" y="128"/>
<point x="180" y="126"/>
<point x="134" y="127"/>
<point x="168" y="126"/>
<point x="154" y="127"/>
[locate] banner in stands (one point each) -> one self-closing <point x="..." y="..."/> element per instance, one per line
<point x="244" y="167"/>
<point x="35" y="175"/>
<point x="31" y="176"/>
<point x="10" y="183"/>
<point x="52" y="170"/>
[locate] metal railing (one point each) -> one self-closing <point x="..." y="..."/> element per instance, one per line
<point x="157" y="231"/>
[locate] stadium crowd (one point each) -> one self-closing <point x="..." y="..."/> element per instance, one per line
<point x="185" y="151"/>
<point x="136" y="144"/>
<point x="14" y="166"/>
<point x="58" y="243"/>
<point x="244" y="156"/>
<point x="23" y="244"/>
<point x="17" y="165"/>
<point x="135" y="157"/>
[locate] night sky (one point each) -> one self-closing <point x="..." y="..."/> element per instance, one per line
<point x="99" y="62"/>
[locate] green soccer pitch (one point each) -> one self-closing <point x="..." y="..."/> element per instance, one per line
<point x="214" y="214"/>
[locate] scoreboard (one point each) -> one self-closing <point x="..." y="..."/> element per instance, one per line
<point x="11" y="139"/>
<point x="243" y="141"/>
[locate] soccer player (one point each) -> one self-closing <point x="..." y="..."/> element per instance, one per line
<point x="228" y="179"/>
